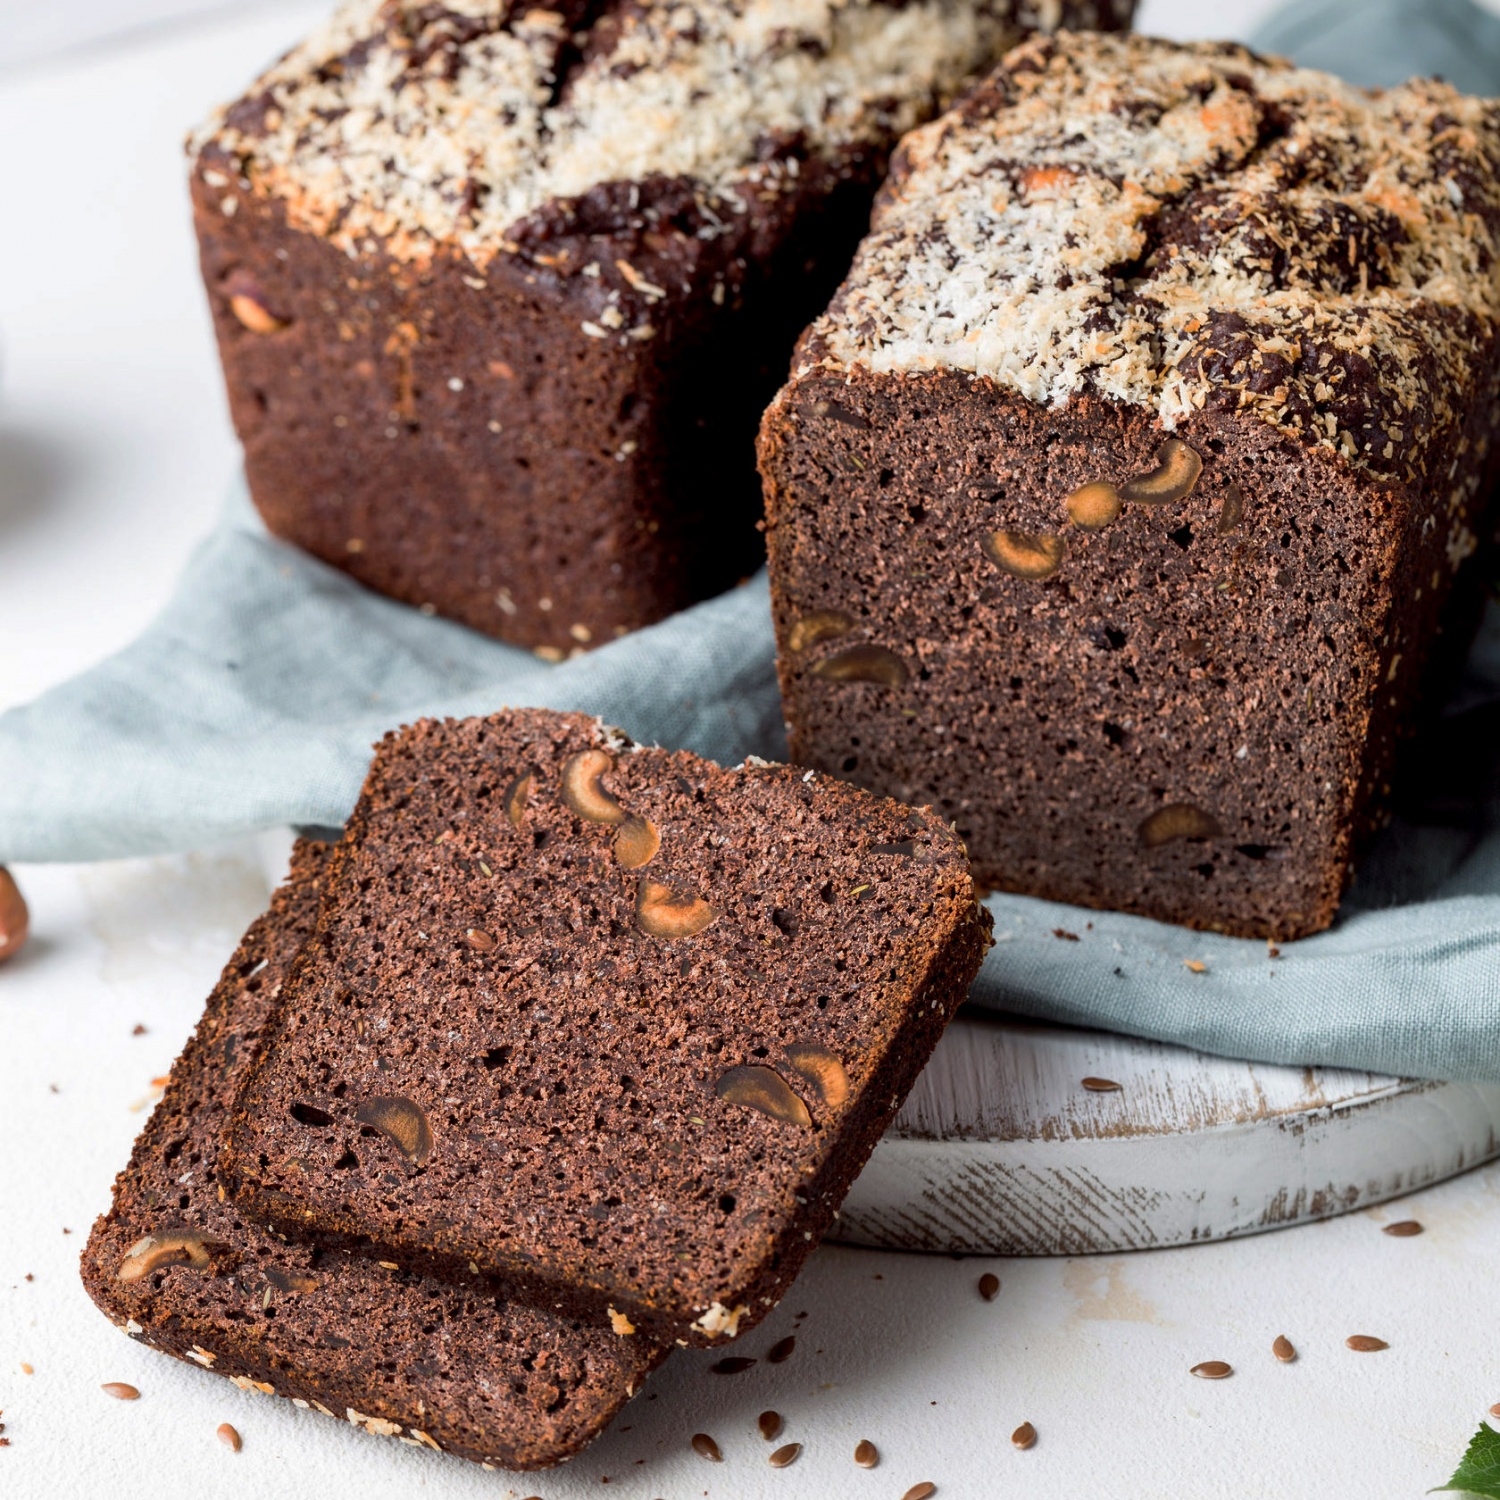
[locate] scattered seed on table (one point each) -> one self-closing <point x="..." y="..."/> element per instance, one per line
<point x="1195" y="965"/>
<point x="784" y="1455"/>
<point x="1212" y="1369"/>
<point x="1403" y="1230"/>
<point x="734" y="1365"/>
<point x="781" y="1349"/>
<point x="1102" y="1085"/>
<point x="1284" y="1349"/>
<point x="769" y="1423"/>
<point x="26" y="1369"/>
<point x="120" y="1391"/>
<point x="1365" y="1343"/>
<point x="705" y="1447"/>
<point x="920" y="1491"/>
<point x="1495" y="1410"/>
<point x="1024" y="1436"/>
<point x="866" y="1454"/>
<point x="229" y="1437"/>
<point x="989" y="1286"/>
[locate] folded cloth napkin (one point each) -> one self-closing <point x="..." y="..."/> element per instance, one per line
<point x="253" y="700"/>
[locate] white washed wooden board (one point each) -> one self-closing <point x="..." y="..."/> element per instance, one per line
<point x="1001" y="1150"/>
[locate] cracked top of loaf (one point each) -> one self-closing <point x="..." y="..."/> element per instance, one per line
<point x="416" y="124"/>
<point x="1182" y="227"/>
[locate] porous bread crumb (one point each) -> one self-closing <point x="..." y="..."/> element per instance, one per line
<point x="1186" y="226"/>
<point x="416" y="124"/>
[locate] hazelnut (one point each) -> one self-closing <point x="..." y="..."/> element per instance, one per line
<point x="1176" y="472"/>
<point x="822" y="1069"/>
<point x="14" y="919"/>
<point x="756" y="1087"/>
<point x="517" y="795"/>
<point x="583" y="788"/>
<point x="662" y="912"/>
<point x="1025" y="554"/>
<point x="1178" y="820"/>
<point x="636" y="842"/>
<point x="254" y="314"/>
<point x="874" y="664"/>
<point x="1091" y="507"/>
<point x="820" y="625"/>
<point x="401" y="1121"/>
<point x="1231" y="512"/>
<point x="155" y="1252"/>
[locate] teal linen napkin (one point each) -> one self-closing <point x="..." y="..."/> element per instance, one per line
<point x="253" y="700"/>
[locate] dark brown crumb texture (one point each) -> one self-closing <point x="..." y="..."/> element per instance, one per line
<point x="1151" y="629"/>
<point x="438" y="1365"/>
<point x="501" y="351"/>
<point x="609" y="1023"/>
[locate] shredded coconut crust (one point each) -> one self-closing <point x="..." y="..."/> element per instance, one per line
<point x="1182" y="227"/>
<point x="416" y="125"/>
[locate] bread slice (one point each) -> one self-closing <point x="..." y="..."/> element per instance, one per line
<point x="611" y="1024"/>
<point x="442" y="1365"/>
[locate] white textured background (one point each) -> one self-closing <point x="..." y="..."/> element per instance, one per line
<point x="114" y="451"/>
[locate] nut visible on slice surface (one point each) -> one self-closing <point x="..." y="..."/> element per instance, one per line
<point x="866" y="1454"/>
<point x="1178" y="820"/>
<point x="401" y="1121"/>
<point x="583" y="789"/>
<point x="877" y="664"/>
<point x="155" y="1252"/>
<point x="755" y="1087"/>
<point x="1092" y="507"/>
<point x="1025" y="554"/>
<point x="662" y="912"/>
<point x="1231" y="512"/>
<point x="823" y="1070"/>
<point x="517" y="795"/>
<point x="1024" y="1436"/>
<point x="254" y="314"/>
<point x="818" y="625"/>
<point x="636" y="842"/>
<point x="480" y="940"/>
<point x="15" y="921"/>
<point x="1176" y="472"/>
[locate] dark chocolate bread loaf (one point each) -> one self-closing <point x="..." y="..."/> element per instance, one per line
<point x="1115" y="503"/>
<point x="502" y="292"/>
<point x="610" y="1023"/>
<point x="439" y="1365"/>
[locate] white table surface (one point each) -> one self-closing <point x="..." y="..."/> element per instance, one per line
<point x="114" y="453"/>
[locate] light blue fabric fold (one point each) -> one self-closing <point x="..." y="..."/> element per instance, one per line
<point x="254" y="698"/>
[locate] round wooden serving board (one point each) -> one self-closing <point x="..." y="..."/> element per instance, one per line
<point x="1000" y="1149"/>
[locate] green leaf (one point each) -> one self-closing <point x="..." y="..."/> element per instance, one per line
<point x="1479" y="1473"/>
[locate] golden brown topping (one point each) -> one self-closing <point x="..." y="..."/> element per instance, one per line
<point x="1178" y="820"/>
<point x="1092" y="507"/>
<point x="583" y="788"/>
<point x="156" y="1251"/>
<point x="665" y="913"/>
<point x="1025" y="554"/>
<point x="401" y="1121"/>
<point x="875" y="664"/>
<point x="636" y="842"/>
<point x="820" y="625"/>
<point x="823" y="1070"/>
<point x="755" y="1087"/>
<point x="1176" y="472"/>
